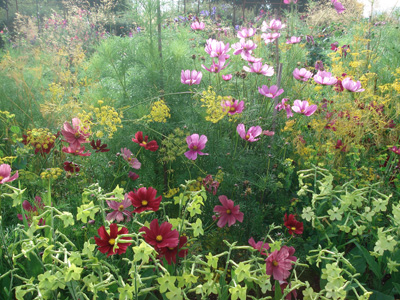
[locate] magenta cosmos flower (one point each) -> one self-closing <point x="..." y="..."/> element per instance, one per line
<point x="302" y="74"/>
<point x="160" y="236"/>
<point x="197" y="25"/>
<point x="246" y="33"/>
<point x="259" y="68"/>
<point x="270" y="37"/>
<point x="227" y="77"/>
<point x="195" y="144"/>
<point x="251" y="134"/>
<point x="228" y="212"/>
<point x="32" y="211"/>
<point x="289" y="1"/>
<point x="244" y="47"/>
<point x="279" y="263"/>
<point x="271" y="92"/>
<point x="216" y="67"/>
<point x="75" y="135"/>
<point x="130" y="159"/>
<point x="80" y="150"/>
<point x="273" y="25"/>
<point x="106" y="242"/>
<point x="217" y="49"/>
<point x="302" y="107"/>
<point x="338" y="6"/>
<point x="233" y="106"/>
<point x="191" y="77"/>
<point x="145" y="199"/>
<point x="351" y="85"/>
<point x="286" y="107"/>
<point x="260" y="246"/>
<point x="293" y="40"/>
<point x="324" y="78"/>
<point x="120" y="209"/>
<point x="5" y="174"/>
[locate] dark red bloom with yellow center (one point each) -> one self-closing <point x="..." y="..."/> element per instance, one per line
<point x="170" y="253"/>
<point x="294" y="226"/>
<point x="152" y="145"/>
<point x="98" y="147"/>
<point x="106" y="242"/>
<point x="160" y="236"/>
<point x="71" y="167"/>
<point x="145" y="199"/>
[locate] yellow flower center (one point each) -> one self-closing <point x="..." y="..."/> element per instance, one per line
<point x="158" y="238"/>
<point x="228" y="211"/>
<point x="144" y="143"/>
<point x="121" y="208"/>
<point x="194" y="147"/>
<point x="275" y="263"/>
<point x="247" y="137"/>
<point x="232" y="108"/>
<point x="111" y="241"/>
<point x="144" y="202"/>
<point x="129" y="158"/>
<point x="35" y="213"/>
<point x="293" y="228"/>
<point x="171" y="248"/>
<point x="1" y="177"/>
<point x="77" y="134"/>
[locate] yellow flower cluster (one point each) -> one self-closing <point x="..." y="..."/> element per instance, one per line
<point x="40" y="138"/>
<point x="57" y="91"/>
<point x="6" y="115"/>
<point x="171" y="192"/>
<point x="396" y="83"/>
<point x="160" y="112"/>
<point x="7" y="159"/>
<point x="215" y="112"/>
<point x="173" y="146"/>
<point x="52" y="173"/>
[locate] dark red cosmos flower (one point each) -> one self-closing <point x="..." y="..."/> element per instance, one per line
<point x="106" y="242"/>
<point x="294" y="226"/>
<point x="71" y="167"/>
<point x="160" y="236"/>
<point x="133" y="176"/>
<point x="152" y="145"/>
<point x="145" y="199"/>
<point x="170" y="253"/>
<point x="98" y="147"/>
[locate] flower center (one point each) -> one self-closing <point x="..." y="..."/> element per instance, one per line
<point x="275" y="263"/>
<point x="158" y="238"/>
<point x="171" y="248"/>
<point x="129" y="158"/>
<point x="293" y="228"/>
<point x="232" y="108"/>
<point x="144" y="143"/>
<point x="228" y="211"/>
<point x="1" y="177"/>
<point x="121" y="208"/>
<point x="194" y="147"/>
<point x="35" y="213"/>
<point x="144" y="202"/>
<point x="247" y="136"/>
<point x="77" y="134"/>
<point x="111" y="241"/>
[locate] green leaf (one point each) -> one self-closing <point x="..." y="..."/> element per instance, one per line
<point x="278" y="291"/>
<point x="373" y="265"/>
<point x="15" y="129"/>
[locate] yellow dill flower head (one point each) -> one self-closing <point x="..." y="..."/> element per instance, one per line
<point x="171" y="193"/>
<point x="160" y="112"/>
<point x="212" y="102"/>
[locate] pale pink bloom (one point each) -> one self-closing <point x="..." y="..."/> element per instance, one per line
<point x="273" y="25"/>
<point x="217" y="49"/>
<point x="325" y="78"/>
<point x="286" y="107"/>
<point x="251" y="134"/>
<point x="246" y="33"/>
<point x="302" y="74"/>
<point x="234" y="107"/>
<point x="195" y="144"/>
<point x="244" y="48"/>
<point x="119" y="210"/>
<point x="197" y="25"/>
<point x="279" y="263"/>
<point x="259" y="68"/>
<point x="351" y="85"/>
<point x="251" y="59"/>
<point x="191" y="77"/>
<point x="5" y="174"/>
<point x="294" y="40"/>
<point x="271" y="92"/>
<point x="270" y="37"/>
<point x="338" y="6"/>
<point x="260" y="246"/>
<point x="289" y="1"/>
<point x="268" y="133"/>
<point x="228" y="212"/>
<point x="75" y="135"/>
<point x="302" y="107"/>
<point x="128" y="157"/>
<point x="216" y="67"/>
<point x="227" y="77"/>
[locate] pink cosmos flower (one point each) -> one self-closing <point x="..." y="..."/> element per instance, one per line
<point x="270" y="37"/>
<point x="191" y="77"/>
<point x="302" y="74"/>
<point x="233" y="106"/>
<point x="195" y="145"/>
<point x="302" y="107"/>
<point x="128" y="157"/>
<point x="351" y="85"/>
<point x="260" y="246"/>
<point x="246" y="33"/>
<point x="228" y="212"/>
<point x="273" y="25"/>
<point x="319" y="66"/>
<point x="294" y="40"/>
<point x="289" y="1"/>
<point x="286" y="107"/>
<point x="227" y="77"/>
<point x="251" y="134"/>
<point x="251" y="59"/>
<point x="279" y="263"/>
<point x="80" y="150"/>
<point x="259" y="68"/>
<point x="120" y="209"/>
<point x="271" y="92"/>
<point x="338" y="6"/>
<point x="197" y="25"/>
<point x="268" y="133"/>
<point x="75" y="135"/>
<point x="216" y="67"/>
<point x="324" y="78"/>
<point x="217" y="49"/>
<point x="244" y="48"/>
<point x="5" y="173"/>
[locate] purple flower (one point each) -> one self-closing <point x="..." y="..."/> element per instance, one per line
<point x="351" y="85"/>
<point x="293" y="40"/>
<point x="195" y="145"/>
<point x="324" y="78"/>
<point x="191" y="77"/>
<point x="251" y="134"/>
<point x="128" y="157"/>
<point x="271" y="92"/>
<point x="119" y="210"/>
<point x="302" y="107"/>
<point x="302" y="74"/>
<point x="259" y="68"/>
<point x="32" y="211"/>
